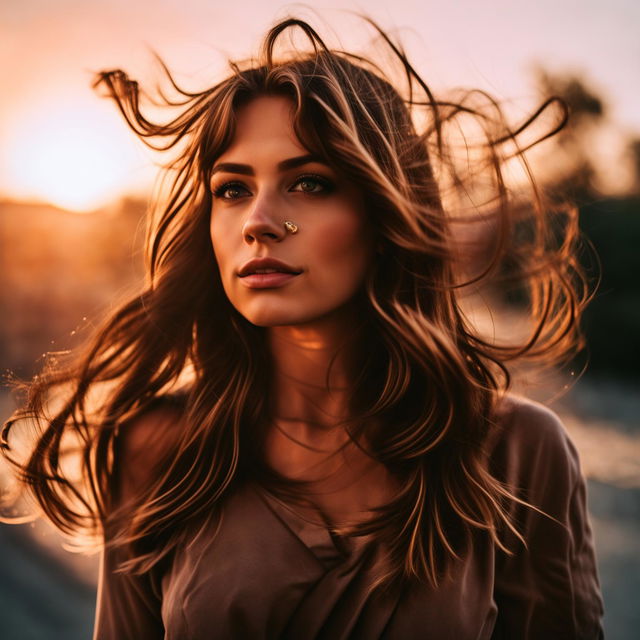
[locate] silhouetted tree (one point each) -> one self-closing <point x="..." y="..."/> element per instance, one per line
<point x="587" y="111"/>
<point x="611" y="225"/>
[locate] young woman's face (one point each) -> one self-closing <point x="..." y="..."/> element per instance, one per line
<point x="264" y="179"/>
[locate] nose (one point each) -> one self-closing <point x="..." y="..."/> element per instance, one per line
<point x="262" y="222"/>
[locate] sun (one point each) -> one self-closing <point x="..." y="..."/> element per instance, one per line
<point x="76" y="156"/>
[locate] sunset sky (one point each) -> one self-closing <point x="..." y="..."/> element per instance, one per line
<point x="60" y="143"/>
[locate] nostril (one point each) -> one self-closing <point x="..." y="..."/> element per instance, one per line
<point x="266" y="235"/>
<point x="261" y="227"/>
<point x="252" y="237"/>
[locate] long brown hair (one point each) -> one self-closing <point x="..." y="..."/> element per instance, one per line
<point x="430" y="382"/>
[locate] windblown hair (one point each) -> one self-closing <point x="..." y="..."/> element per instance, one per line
<point x="424" y="402"/>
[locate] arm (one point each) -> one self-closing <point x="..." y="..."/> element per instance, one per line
<point x="549" y="589"/>
<point x="129" y="605"/>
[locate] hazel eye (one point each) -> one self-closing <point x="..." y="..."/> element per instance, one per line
<point x="312" y="185"/>
<point x="231" y="191"/>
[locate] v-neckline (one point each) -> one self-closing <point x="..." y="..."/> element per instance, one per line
<point x="328" y="547"/>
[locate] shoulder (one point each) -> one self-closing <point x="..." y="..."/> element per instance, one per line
<point x="520" y="418"/>
<point x="145" y="443"/>
<point x="531" y="445"/>
<point x="548" y="586"/>
<point x="144" y="435"/>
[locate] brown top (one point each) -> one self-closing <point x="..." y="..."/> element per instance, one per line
<point x="267" y="573"/>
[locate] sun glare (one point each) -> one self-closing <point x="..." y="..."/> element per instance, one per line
<point x="77" y="157"/>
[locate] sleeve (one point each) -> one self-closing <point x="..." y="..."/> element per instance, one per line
<point x="548" y="589"/>
<point x="127" y="607"/>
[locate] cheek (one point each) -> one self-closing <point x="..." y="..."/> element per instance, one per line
<point x="345" y="247"/>
<point x="223" y="252"/>
<point x="221" y="248"/>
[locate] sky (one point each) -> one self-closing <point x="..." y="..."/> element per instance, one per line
<point x="60" y="143"/>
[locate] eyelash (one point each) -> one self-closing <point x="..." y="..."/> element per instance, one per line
<point x="327" y="186"/>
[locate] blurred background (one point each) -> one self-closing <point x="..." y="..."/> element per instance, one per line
<point x="74" y="185"/>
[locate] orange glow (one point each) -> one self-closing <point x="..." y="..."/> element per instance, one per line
<point x="81" y="156"/>
<point x="73" y="155"/>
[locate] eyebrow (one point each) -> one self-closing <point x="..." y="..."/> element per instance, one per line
<point x="247" y="170"/>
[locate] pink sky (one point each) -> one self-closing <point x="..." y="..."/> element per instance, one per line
<point x="51" y="123"/>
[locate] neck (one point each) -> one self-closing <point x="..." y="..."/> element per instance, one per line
<point x="314" y="366"/>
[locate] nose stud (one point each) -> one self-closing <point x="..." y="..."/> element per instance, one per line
<point x="290" y="227"/>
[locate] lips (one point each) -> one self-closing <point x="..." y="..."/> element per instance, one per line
<point x="267" y="273"/>
<point x="266" y="266"/>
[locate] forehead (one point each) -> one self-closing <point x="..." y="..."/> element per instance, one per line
<point x="265" y="125"/>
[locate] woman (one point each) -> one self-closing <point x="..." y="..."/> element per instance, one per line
<point x="293" y="432"/>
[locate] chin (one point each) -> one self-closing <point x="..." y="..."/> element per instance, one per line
<point x="275" y="319"/>
<point x="266" y="317"/>
<point x="278" y="315"/>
